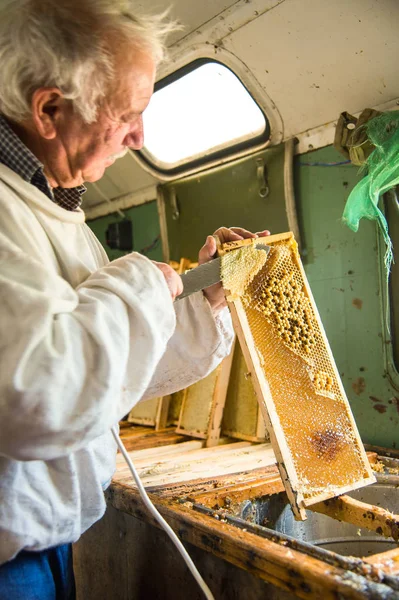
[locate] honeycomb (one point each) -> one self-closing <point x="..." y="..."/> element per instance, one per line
<point x="247" y="261"/>
<point x="309" y="401"/>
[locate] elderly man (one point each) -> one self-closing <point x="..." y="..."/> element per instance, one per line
<point x="82" y="339"/>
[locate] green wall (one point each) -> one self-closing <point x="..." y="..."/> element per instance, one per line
<point x="227" y="196"/>
<point x="145" y="230"/>
<point x="343" y="271"/>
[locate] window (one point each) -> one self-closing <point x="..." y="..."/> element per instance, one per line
<point x="198" y="114"/>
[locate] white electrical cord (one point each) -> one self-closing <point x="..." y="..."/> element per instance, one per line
<point x="194" y="571"/>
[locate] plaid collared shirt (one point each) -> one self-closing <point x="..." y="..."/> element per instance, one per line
<point x="16" y="156"/>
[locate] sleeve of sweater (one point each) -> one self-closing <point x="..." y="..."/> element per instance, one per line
<point x="199" y="343"/>
<point x="67" y="355"/>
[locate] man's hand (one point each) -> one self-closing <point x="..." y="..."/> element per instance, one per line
<point x="173" y="280"/>
<point x="215" y="293"/>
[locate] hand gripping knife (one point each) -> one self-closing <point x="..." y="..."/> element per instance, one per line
<point x="207" y="274"/>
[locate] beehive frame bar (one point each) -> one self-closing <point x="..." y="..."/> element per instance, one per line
<point x="318" y="448"/>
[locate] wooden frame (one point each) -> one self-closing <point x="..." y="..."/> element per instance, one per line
<point x="203" y="403"/>
<point x="242" y="416"/>
<point x="152" y="413"/>
<point x="176" y="400"/>
<point x="282" y="450"/>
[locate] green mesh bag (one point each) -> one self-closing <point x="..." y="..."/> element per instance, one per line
<point x="382" y="167"/>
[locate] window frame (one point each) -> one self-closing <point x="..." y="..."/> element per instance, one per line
<point x="221" y="155"/>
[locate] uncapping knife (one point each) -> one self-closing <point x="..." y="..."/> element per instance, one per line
<point x="207" y="274"/>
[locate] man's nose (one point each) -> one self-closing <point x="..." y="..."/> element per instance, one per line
<point x="135" y="137"/>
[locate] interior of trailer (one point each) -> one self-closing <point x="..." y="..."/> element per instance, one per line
<point x="256" y="104"/>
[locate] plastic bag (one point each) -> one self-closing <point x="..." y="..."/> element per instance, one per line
<point x="382" y="167"/>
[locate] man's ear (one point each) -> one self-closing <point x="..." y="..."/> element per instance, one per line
<point x="47" y="105"/>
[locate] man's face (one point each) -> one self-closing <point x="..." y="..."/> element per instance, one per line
<point x="81" y="152"/>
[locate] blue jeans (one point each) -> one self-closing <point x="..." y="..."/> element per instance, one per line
<point x="45" y="575"/>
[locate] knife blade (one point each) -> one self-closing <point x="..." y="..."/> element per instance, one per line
<point x="205" y="275"/>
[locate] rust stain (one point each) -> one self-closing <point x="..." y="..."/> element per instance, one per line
<point x="374" y="399"/>
<point x="359" y="385"/>
<point x="393" y="525"/>
<point x="381" y="407"/>
<point x="327" y="444"/>
<point x="357" y="303"/>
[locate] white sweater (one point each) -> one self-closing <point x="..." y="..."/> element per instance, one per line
<point x="81" y="341"/>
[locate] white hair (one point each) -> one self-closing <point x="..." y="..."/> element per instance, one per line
<point x="66" y="44"/>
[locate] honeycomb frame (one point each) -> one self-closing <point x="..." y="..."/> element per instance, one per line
<point x="150" y="413"/>
<point x="242" y="416"/>
<point x="203" y="403"/>
<point x="318" y="448"/>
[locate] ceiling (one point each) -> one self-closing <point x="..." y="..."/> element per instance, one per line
<point x="189" y="13"/>
<point x="308" y="59"/>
